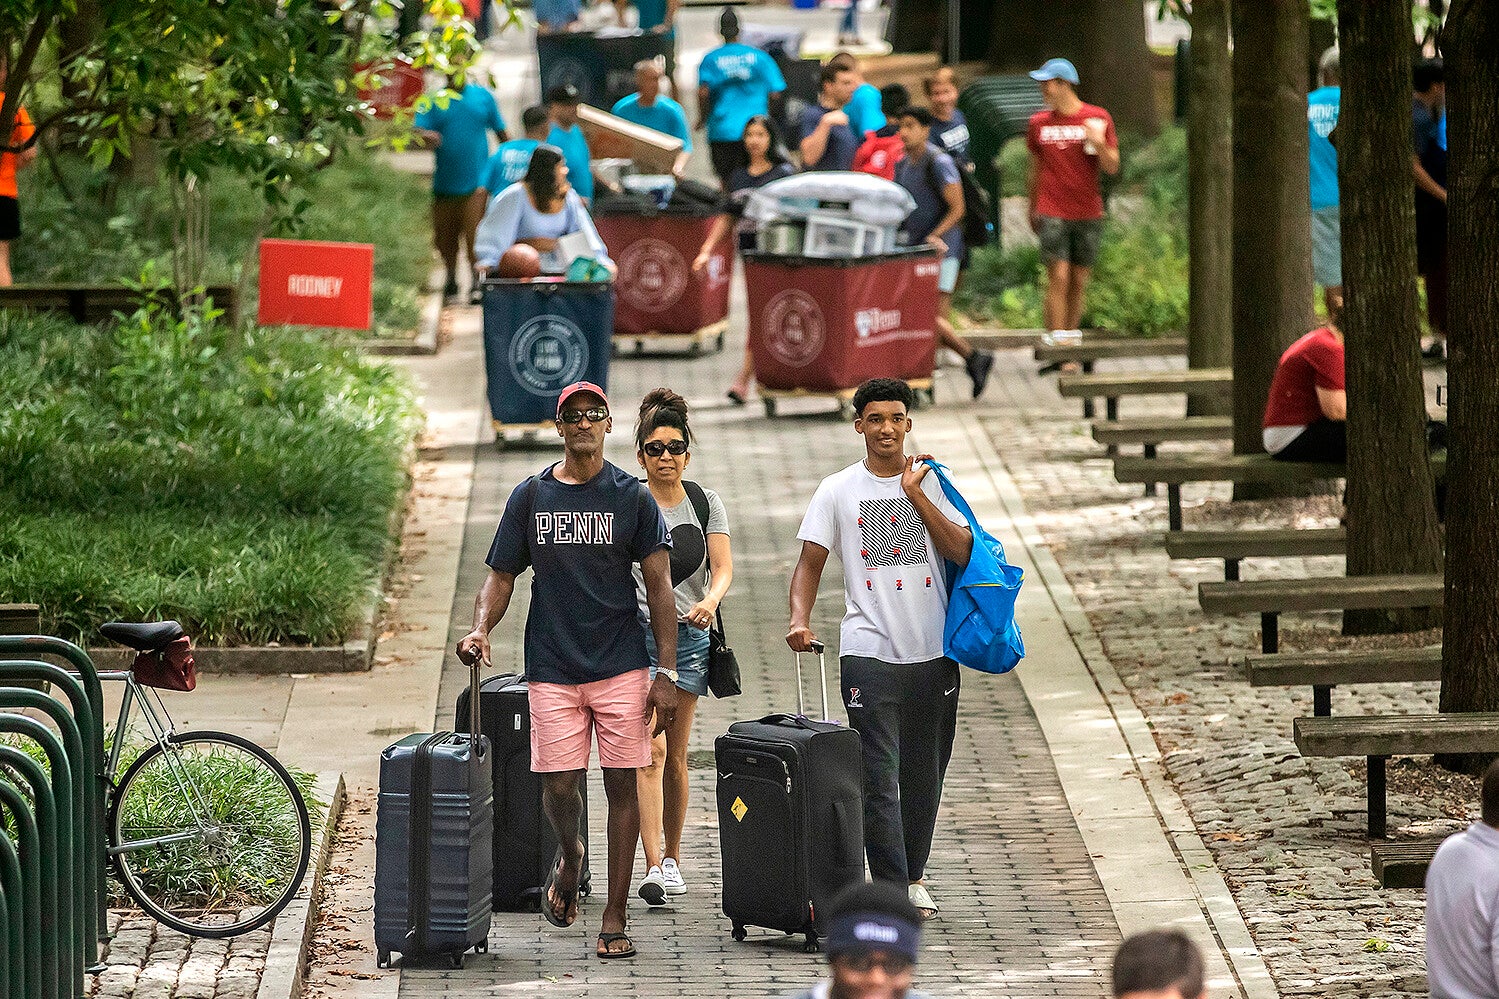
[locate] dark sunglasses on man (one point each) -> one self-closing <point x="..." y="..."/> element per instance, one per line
<point x="597" y="414"/>
<point x="657" y="448"/>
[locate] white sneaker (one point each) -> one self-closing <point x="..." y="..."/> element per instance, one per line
<point x="653" y="888"/>
<point x="1070" y="338"/>
<point x="672" y="875"/>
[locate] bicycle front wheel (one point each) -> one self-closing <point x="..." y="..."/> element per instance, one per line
<point x="209" y="834"/>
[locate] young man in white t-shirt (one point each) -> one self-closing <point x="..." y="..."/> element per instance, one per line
<point x="893" y="529"/>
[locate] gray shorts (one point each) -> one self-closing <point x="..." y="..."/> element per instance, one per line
<point x="1327" y="247"/>
<point x="1072" y="240"/>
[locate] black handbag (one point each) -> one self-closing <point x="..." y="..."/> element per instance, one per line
<point x="723" y="667"/>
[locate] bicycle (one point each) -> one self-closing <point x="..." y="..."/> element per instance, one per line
<point x="206" y="831"/>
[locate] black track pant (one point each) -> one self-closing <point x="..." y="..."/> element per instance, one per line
<point x="906" y="715"/>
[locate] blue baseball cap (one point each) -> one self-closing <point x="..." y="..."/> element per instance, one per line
<point x="1056" y="69"/>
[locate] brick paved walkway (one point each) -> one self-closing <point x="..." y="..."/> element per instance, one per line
<point x="1288" y="833"/>
<point x="1023" y="913"/>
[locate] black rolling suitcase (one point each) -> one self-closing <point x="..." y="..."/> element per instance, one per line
<point x="790" y="817"/>
<point x="524" y="844"/>
<point x="434" y="848"/>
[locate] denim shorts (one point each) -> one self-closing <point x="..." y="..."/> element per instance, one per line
<point x="692" y="658"/>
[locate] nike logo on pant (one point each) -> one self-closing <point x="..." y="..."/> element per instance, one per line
<point x="948" y="693"/>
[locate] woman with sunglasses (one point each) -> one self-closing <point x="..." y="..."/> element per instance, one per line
<point x="662" y="438"/>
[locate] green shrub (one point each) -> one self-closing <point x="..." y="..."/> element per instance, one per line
<point x="242" y="483"/>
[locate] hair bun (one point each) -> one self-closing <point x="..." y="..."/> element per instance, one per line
<point x="663" y="398"/>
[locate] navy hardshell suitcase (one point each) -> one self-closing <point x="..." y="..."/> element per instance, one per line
<point x="524" y="845"/>
<point x="790" y="818"/>
<point x="433" y="846"/>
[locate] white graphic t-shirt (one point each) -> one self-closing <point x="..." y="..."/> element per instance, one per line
<point x="893" y="583"/>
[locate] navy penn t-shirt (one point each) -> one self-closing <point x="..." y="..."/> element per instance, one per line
<point x="581" y="541"/>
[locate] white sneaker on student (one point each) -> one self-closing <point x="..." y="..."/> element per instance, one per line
<point x="672" y="875"/>
<point x="653" y="888"/>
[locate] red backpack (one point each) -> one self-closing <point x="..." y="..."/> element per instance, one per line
<point x="879" y="154"/>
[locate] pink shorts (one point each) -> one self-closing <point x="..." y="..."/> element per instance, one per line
<point x="563" y="715"/>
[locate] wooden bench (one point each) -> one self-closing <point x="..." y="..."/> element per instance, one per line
<point x="997" y="339"/>
<point x="97" y="303"/>
<point x="1323" y="671"/>
<point x="1110" y="346"/>
<point x="1152" y="431"/>
<point x="1235" y="546"/>
<point x="1273" y="597"/>
<point x="1221" y="468"/>
<point x="20" y="619"/>
<point x="1402" y="863"/>
<point x="1378" y="737"/>
<point x="1113" y="384"/>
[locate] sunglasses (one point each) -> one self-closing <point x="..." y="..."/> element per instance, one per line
<point x="657" y="448"/>
<point x="597" y="414"/>
<point x="863" y="964"/>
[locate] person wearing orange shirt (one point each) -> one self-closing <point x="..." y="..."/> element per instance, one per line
<point x="10" y="163"/>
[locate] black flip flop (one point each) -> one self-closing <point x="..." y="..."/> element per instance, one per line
<point x="568" y="899"/>
<point x="736" y="398"/>
<point x="605" y="939"/>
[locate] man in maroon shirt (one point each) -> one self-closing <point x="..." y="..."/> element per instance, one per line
<point x="1307" y="411"/>
<point x="1069" y="142"/>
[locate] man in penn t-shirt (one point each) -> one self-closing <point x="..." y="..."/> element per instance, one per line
<point x="1069" y="143"/>
<point x="735" y="83"/>
<point x="893" y="530"/>
<point x="581" y="525"/>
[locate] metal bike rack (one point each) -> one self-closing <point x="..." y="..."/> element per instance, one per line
<point x="58" y="860"/>
<point x="39" y="895"/>
<point x="35" y="647"/>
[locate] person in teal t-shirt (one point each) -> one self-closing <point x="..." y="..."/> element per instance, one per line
<point x="562" y="106"/>
<point x="1327" y="229"/>
<point x="653" y="109"/>
<point x="659" y="17"/>
<point x="509" y="162"/>
<point x="735" y="83"/>
<point x="458" y="134"/>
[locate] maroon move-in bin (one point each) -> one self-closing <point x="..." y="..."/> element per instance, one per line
<point x="828" y="324"/>
<point x="657" y="291"/>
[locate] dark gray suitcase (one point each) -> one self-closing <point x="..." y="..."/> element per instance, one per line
<point x="790" y="818"/>
<point x="434" y="852"/>
<point x="524" y="844"/>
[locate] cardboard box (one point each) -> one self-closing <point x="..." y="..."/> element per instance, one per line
<point x="609" y="136"/>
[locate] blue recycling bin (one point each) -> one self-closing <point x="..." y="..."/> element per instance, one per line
<point x="540" y="336"/>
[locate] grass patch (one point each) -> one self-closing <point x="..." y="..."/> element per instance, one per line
<point x="239" y="481"/>
<point x="1139" y="283"/>
<point x="90" y="227"/>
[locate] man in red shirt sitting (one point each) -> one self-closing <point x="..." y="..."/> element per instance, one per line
<point x="1069" y="142"/>
<point x="1306" y="414"/>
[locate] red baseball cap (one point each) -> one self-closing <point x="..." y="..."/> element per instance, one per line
<point x="577" y="387"/>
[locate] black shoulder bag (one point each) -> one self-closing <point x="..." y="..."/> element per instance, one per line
<point x="723" y="667"/>
<point x="974" y="225"/>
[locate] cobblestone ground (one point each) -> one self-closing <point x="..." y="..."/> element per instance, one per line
<point x="1022" y="912"/>
<point x="1287" y="832"/>
<point x="147" y="961"/>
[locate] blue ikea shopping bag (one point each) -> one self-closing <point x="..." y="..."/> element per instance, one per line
<point x="980" y="631"/>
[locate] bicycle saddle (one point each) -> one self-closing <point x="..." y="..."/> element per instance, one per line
<point x="145" y="637"/>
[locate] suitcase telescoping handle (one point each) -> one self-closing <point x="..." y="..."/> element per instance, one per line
<point x="474" y="667"/>
<point x="822" y="666"/>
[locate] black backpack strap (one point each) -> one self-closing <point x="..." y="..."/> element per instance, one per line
<point x="699" y="500"/>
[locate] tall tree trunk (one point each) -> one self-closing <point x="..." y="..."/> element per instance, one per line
<point x="1272" y="242"/>
<point x="1210" y="187"/>
<point x="1470" y="644"/>
<point x="1392" y="522"/>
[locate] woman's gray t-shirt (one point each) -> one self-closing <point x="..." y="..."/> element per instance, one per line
<point x="689" y="552"/>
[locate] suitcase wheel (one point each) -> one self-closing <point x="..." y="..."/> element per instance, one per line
<point x="811" y="946"/>
<point x="738" y="932"/>
<point x="456" y="960"/>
